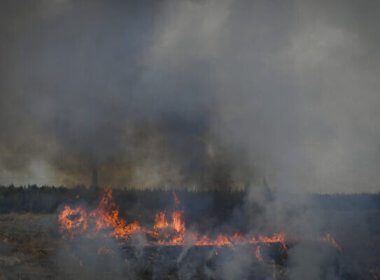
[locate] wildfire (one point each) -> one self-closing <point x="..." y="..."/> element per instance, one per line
<point x="237" y="239"/>
<point x="169" y="233"/>
<point x="105" y="218"/>
<point x="72" y="220"/>
<point x="168" y="229"/>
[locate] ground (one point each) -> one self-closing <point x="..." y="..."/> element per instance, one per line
<point x="32" y="248"/>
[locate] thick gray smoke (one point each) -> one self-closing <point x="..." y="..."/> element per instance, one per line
<point x="192" y="93"/>
<point x="207" y="93"/>
<point x="86" y="86"/>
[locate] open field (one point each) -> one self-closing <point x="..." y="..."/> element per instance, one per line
<point x="32" y="248"/>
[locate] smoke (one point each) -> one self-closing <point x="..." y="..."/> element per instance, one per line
<point x="83" y="89"/>
<point x="90" y="259"/>
<point x="168" y="93"/>
<point x="201" y="94"/>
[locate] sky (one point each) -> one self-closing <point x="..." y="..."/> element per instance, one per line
<point x="191" y="93"/>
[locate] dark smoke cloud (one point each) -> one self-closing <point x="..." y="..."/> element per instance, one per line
<point x="196" y="93"/>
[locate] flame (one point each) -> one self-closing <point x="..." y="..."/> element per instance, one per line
<point x="178" y="222"/>
<point x="237" y="239"/>
<point x="275" y="238"/>
<point x="170" y="233"/>
<point x="105" y="217"/>
<point x="72" y="220"/>
<point x="160" y="222"/>
<point x="168" y="229"/>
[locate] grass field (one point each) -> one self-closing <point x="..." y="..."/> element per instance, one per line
<point x="32" y="248"/>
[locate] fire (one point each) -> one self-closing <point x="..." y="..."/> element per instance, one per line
<point x="105" y="218"/>
<point x="237" y="239"/>
<point x="222" y="240"/>
<point x="275" y="238"/>
<point x="178" y="222"/>
<point x="73" y="220"/>
<point x="169" y="228"/>
<point x="170" y="233"/>
<point x="219" y="240"/>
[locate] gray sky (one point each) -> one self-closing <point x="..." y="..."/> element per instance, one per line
<point x="164" y="92"/>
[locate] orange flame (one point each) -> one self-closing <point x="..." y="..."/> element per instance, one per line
<point x="106" y="220"/>
<point x="74" y="221"/>
<point x="236" y="239"/>
<point x="170" y="233"/>
<point x="160" y="222"/>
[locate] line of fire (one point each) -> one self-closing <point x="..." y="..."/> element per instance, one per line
<point x="169" y="230"/>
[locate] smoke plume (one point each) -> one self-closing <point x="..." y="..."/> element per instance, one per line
<point x="195" y="93"/>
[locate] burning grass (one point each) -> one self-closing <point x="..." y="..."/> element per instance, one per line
<point x="166" y="231"/>
<point x="100" y="244"/>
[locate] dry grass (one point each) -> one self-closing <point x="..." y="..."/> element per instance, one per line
<point x="31" y="248"/>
